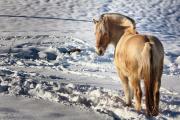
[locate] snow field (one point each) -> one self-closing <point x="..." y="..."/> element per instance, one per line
<point x="39" y="58"/>
<point x="99" y="99"/>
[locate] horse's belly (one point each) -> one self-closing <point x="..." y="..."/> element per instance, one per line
<point x="122" y="67"/>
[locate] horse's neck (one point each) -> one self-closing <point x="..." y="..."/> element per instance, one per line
<point x="127" y="34"/>
<point x="115" y="34"/>
<point x="121" y="35"/>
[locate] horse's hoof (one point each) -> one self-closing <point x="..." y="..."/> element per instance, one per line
<point x="155" y="112"/>
<point x="128" y="105"/>
<point x="138" y="108"/>
<point x="148" y="114"/>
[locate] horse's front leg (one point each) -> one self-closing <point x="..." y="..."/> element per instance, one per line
<point x="135" y="85"/>
<point x="126" y="88"/>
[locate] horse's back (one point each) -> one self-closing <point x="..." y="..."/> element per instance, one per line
<point x="134" y="46"/>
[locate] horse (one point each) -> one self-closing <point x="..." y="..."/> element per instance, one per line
<point x="137" y="57"/>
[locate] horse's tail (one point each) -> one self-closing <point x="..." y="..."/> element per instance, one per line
<point x="148" y="75"/>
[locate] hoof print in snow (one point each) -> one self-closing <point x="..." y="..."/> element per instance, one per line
<point x="63" y="50"/>
<point x="31" y="53"/>
<point x="74" y="50"/>
<point x="3" y="88"/>
<point x="54" y="77"/>
<point x="51" y="56"/>
<point x="70" y="51"/>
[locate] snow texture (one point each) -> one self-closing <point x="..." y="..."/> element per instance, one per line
<point x="47" y="51"/>
<point x="99" y="99"/>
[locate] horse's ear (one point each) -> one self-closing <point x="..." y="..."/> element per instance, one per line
<point x="95" y="21"/>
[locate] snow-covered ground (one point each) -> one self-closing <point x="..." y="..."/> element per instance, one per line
<point x="47" y="51"/>
<point x="23" y="108"/>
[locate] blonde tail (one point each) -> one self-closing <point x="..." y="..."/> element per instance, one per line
<point x="148" y="75"/>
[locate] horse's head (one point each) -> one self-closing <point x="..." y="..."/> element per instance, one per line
<point x="110" y="28"/>
<point x="102" y="35"/>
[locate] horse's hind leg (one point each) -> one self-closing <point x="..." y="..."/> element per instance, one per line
<point x="156" y="93"/>
<point x="126" y="88"/>
<point x="135" y="84"/>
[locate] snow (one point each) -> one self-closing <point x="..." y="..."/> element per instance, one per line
<point x="23" y="108"/>
<point x="97" y="98"/>
<point x="47" y="51"/>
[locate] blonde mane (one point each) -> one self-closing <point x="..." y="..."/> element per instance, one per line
<point x="120" y="19"/>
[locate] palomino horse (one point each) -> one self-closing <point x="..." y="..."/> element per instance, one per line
<point x="136" y="57"/>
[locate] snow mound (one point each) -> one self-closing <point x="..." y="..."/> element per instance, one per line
<point x="101" y="100"/>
